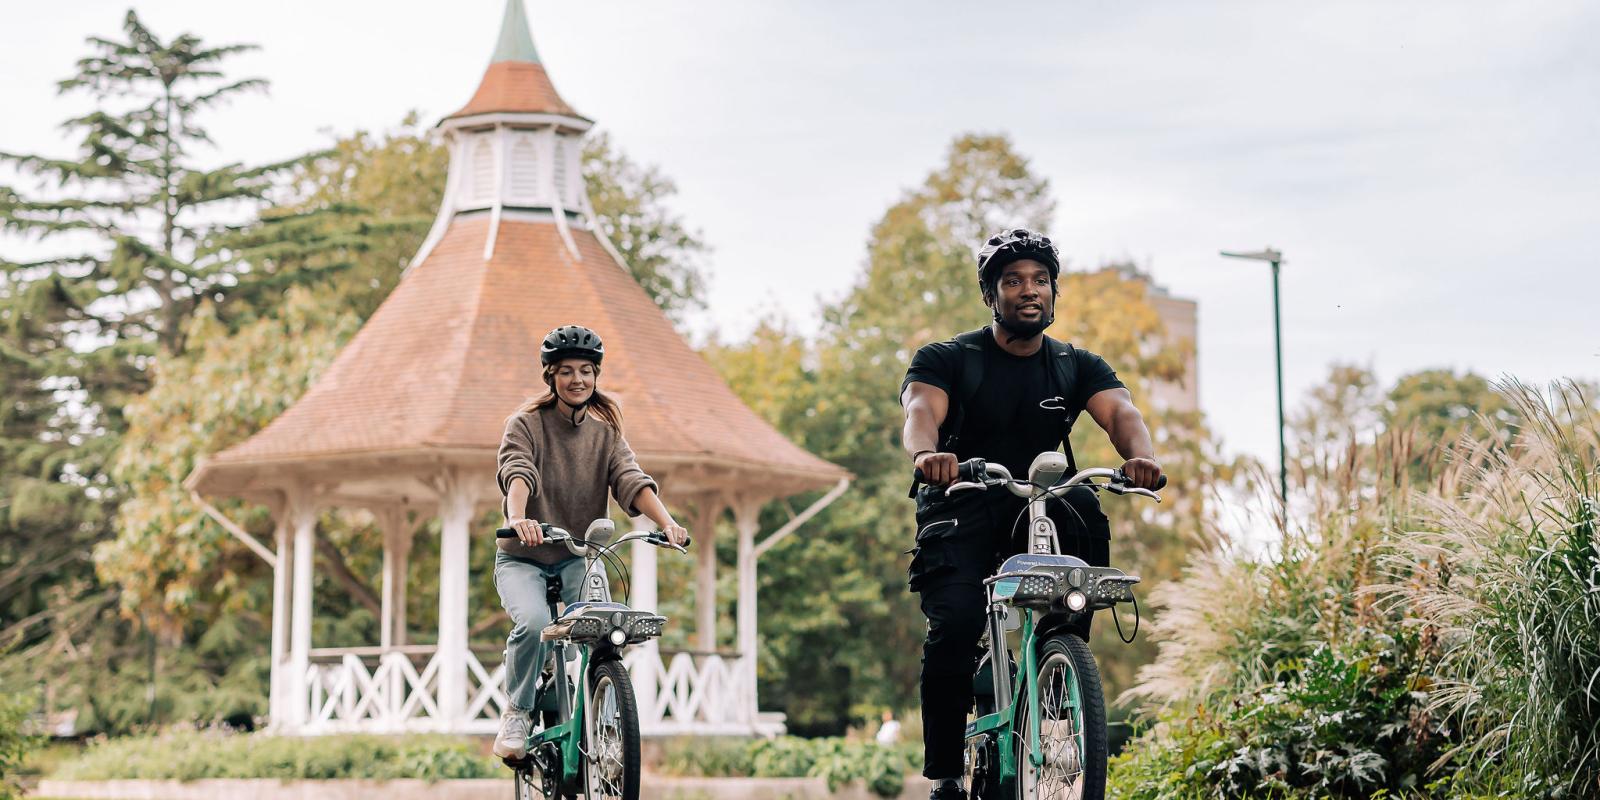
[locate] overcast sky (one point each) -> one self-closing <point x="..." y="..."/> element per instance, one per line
<point x="1431" y="170"/>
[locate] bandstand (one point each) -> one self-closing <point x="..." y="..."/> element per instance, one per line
<point x="406" y="420"/>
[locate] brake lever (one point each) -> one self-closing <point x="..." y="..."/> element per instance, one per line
<point x="660" y="540"/>
<point x="963" y="486"/>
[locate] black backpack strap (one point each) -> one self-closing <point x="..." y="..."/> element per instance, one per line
<point x="967" y="384"/>
<point x="966" y="387"/>
<point x="1064" y="374"/>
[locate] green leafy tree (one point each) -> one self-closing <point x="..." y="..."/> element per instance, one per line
<point x="137" y="191"/>
<point x="125" y="237"/>
<point x="1435" y="408"/>
<point x="838" y="656"/>
<point x="630" y="201"/>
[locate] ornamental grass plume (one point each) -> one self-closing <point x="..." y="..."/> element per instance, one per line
<point x="1231" y="620"/>
<point x="1504" y="572"/>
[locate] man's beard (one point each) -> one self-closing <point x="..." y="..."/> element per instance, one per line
<point x="1019" y="329"/>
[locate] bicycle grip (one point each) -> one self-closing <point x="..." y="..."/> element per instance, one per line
<point x="511" y="533"/>
<point x="972" y="470"/>
<point x="1161" y="482"/>
<point x="659" y="538"/>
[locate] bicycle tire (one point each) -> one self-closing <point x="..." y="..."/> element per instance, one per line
<point x="611" y="763"/>
<point x="523" y="787"/>
<point x="1068" y="654"/>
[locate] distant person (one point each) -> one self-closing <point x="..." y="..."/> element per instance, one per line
<point x="889" y="731"/>
<point x="559" y="456"/>
<point x="1031" y="391"/>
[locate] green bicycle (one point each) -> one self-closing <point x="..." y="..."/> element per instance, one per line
<point x="588" y="739"/>
<point x="1040" y="731"/>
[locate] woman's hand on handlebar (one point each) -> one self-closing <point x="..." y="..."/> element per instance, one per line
<point x="528" y="531"/>
<point x="1143" y="473"/>
<point x="939" y="469"/>
<point x="677" y="534"/>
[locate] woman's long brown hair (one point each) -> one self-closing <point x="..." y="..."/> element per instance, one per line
<point x="600" y="405"/>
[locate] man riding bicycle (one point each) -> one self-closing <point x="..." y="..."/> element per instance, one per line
<point x="1003" y="393"/>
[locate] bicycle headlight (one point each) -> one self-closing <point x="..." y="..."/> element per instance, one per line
<point x="1077" y="601"/>
<point x="618" y="638"/>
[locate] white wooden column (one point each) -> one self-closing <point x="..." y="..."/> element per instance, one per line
<point x="302" y="513"/>
<point x="277" y="692"/>
<point x="705" y="595"/>
<point x="456" y="502"/>
<point x="397" y="535"/>
<point x="642" y="570"/>
<point x="747" y="520"/>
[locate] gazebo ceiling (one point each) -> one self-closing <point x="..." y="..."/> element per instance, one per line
<point x="430" y="379"/>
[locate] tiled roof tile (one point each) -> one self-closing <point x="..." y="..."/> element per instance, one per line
<point x="515" y="87"/>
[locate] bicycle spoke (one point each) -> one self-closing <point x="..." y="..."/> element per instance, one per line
<point x="606" y="766"/>
<point x="1060" y="736"/>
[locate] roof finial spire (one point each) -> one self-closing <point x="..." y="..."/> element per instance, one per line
<point x="515" y="42"/>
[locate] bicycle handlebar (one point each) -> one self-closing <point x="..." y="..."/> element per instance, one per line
<point x="976" y="473"/>
<point x="553" y="534"/>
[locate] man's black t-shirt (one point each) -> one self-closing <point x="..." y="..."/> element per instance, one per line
<point x="1005" y="421"/>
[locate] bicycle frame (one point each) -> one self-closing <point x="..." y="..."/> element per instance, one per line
<point x="1046" y="470"/>
<point x="568" y="735"/>
<point x="1005" y="717"/>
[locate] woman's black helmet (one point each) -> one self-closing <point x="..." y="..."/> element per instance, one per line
<point x="1014" y="245"/>
<point x="571" y="341"/>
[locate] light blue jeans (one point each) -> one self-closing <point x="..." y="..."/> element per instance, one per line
<point x="522" y="585"/>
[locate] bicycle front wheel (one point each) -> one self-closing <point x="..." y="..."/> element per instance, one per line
<point x="611" y="735"/>
<point x="1072" y="727"/>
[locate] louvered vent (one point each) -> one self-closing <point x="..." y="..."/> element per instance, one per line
<point x="524" y="168"/>
<point x="482" y="171"/>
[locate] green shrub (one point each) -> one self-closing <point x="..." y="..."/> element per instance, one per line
<point x="192" y="755"/>
<point x="838" y="761"/>
<point x="1441" y="644"/>
<point x="15" y="741"/>
<point x="782" y="757"/>
<point x="1506" y="574"/>
<point x="709" y="756"/>
<point x="1336" y="724"/>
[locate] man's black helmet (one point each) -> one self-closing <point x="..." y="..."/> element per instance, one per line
<point x="571" y="341"/>
<point x="1014" y="245"/>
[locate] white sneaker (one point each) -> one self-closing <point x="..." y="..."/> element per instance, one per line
<point x="513" y="739"/>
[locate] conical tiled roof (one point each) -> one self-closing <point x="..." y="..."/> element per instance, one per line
<point x="516" y="82"/>
<point x="455" y="349"/>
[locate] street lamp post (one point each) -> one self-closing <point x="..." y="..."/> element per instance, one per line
<point x="1275" y="258"/>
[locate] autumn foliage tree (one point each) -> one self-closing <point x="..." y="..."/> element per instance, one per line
<point x="840" y="631"/>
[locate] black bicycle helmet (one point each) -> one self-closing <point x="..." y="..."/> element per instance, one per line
<point x="571" y="341"/>
<point x="1014" y="245"/>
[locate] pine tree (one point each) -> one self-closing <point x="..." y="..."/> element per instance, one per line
<point x="132" y="234"/>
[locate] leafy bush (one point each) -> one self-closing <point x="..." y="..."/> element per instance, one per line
<point x="1441" y="643"/>
<point x="192" y="755"/>
<point x="838" y="761"/>
<point x="1335" y="724"/>
<point x="708" y="756"/>
<point x="1507" y="576"/>
<point x="15" y="742"/>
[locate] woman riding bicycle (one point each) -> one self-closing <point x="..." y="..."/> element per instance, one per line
<point x="558" y="457"/>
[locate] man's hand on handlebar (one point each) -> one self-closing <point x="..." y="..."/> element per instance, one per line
<point x="1142" y="473"/>
<point x="938" y="469"/>
<point x="528" y="531"/>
